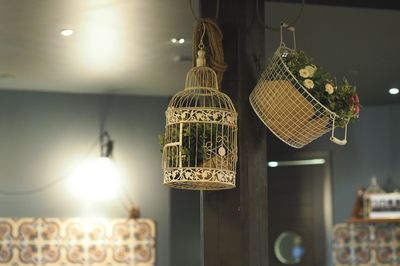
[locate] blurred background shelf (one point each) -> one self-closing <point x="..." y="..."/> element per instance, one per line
<point x="369" y="220"/>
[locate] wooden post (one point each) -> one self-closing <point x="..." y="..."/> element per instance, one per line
<point x="235" y="221"/>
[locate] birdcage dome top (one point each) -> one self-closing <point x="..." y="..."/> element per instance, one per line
<point x="201" y="77"/>
<point x="201" y="91"/>
<point x="201" y="100"/>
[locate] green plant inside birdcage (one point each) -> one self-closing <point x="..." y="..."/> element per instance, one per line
<point x="199" y="142"/>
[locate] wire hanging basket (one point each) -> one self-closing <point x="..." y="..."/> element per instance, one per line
<point x="287" y="108"/>
<point x="200" y="141"/>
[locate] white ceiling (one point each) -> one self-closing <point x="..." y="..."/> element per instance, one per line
<point x="360" y="44"/>
<point x="119" y="46"/>
<point x="123" y="46"/>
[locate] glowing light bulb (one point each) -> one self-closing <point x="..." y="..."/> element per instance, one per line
<point x="96" y="180"/>
<point x="67" y="32"/>
<point x="394" y="91"/>
<point x="272" y="164"/>
<point x="178" y="40"/>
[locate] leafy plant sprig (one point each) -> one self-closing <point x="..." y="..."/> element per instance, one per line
<point x="341" y="99"/>
<point x="195" y="138"/>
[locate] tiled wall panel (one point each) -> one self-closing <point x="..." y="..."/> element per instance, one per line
<point x="366" y="244"/>
<point x="100" y="242"/>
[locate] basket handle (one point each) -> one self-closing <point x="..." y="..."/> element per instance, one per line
<point x="335" y="139"/>
<point x="287" y="27"/>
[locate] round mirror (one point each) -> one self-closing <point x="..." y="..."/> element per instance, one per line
<point x="289" y="248"/>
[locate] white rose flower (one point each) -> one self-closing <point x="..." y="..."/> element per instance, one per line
<point x="304" y="73"/>
<point x="329" y="88"/>
<point x="311" y="70"/>
<point x="308" y="83"/>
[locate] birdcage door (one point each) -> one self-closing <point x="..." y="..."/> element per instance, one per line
<point x="172" y="151"/>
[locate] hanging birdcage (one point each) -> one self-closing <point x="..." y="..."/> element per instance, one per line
<point x="200" y="141"/>
<point x="287" y="108"/>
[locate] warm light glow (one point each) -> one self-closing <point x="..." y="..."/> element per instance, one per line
<point x="297" y="162"/>
<point x="101" y="39"/>
<point x="67" y="32"/>
<point x="272" y="164"/>
<point x="394" y="91"/>
<point x="96" y="180"/>
<point x="178" y="40"/>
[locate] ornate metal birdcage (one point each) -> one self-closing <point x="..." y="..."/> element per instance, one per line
<point x="200" y="141"/>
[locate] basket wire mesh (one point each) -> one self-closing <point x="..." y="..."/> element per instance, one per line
<point x="287" y="108"/>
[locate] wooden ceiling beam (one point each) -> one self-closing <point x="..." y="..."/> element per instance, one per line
<point x="374" y="4"/>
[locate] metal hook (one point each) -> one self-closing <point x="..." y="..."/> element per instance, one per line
<point x="289" y="28"/>
<point x="201" y="43"/>
<point x="268" y="27"/>
<point x="335" y="139"/>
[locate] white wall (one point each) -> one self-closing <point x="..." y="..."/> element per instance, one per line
<point x="44" y="135"/>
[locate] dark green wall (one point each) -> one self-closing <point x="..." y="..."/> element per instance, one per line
<point x="43" y="135"/>
<point x="373" y="149"/>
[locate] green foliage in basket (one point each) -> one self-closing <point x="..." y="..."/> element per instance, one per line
<point x="195" y="137"/>
<point x="339" y="98"/>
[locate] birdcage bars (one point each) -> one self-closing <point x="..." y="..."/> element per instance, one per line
<point x="200" y="142"/>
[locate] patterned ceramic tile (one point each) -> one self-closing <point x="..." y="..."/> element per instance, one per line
<point x="366" y="244"/>
<point x="94" y="242"/>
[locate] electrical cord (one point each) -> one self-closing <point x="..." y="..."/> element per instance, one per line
<point x="124" y="206"/>
<point x="31" y="191"/>
<point x="125" y="194"/>
<point x="106" y="147"/>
